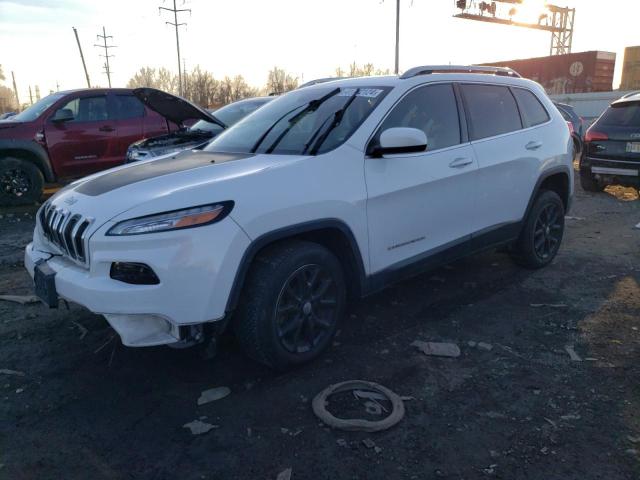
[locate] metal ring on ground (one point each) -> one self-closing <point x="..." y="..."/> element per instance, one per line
<point x="319" y="406"/>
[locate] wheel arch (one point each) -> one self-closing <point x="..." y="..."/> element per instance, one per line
<point x="333" y="234"/>
<point x="557" y="180"/>
<point x="30" y="152"/>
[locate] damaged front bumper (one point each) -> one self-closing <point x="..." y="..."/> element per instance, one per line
<point x="193" y="289"/>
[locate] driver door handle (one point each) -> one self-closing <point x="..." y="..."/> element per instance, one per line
<point x="533" y="145"/>
<point x="460" y="162"/>
<point x="106" y="128"/>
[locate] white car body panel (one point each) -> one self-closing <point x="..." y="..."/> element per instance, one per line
<point x="397" y="208"/>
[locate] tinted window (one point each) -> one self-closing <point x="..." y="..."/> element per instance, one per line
<point x="492" y="110"/>
<point x="621" y="115"/>
<point x="88" y="109"/>
<point x="433" y="110"/>
<point x="533" y="113"/>
<point x="128" y="106"/>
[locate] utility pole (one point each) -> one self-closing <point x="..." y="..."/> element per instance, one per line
<point x="37" y="93"/>
<point x="84" y="65"/>
<point x="30" y="95"/>
<point x="15" y="89"/>
<point x="397" y="69"/>
<point x="175" y="23"/>
<point x="106" y="55"/>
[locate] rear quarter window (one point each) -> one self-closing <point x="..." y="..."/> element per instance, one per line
<point x="492" y="110"/>
<point x="533" y="112"/>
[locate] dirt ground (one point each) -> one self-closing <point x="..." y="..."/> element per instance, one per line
<point x="89" y="408"/>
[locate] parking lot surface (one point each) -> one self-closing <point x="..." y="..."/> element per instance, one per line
<point x="522" y="406"/>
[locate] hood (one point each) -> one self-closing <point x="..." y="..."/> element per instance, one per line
<point x="163" y="184"/>
<point x="174" y="108"/>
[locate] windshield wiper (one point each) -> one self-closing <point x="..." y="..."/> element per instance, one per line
<point x="337" y="118"/>
<point x="309" y="107"/>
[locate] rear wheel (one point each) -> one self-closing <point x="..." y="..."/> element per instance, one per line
<point x="292" y="301"/>
<point x="21" y="182"/>
<point x="542" y="234"/>
<point x="589" y="183"/>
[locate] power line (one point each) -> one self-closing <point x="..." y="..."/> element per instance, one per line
<point x="106" y="55"/>
<point x="175" y="23"/>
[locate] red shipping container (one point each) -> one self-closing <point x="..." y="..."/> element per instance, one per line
<point x="572" y="73"/>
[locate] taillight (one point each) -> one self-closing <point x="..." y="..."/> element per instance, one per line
<point x="595" y="136"/>
<point x="571" y="129"/>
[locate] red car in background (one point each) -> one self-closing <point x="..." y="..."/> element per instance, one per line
<point x="68" y="135"/>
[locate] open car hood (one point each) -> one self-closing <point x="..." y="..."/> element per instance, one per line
<point x="173" y="108"/>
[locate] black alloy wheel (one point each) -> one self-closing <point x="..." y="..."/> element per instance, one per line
<point x="307" y="309"/>
<point x="548" y="232"/>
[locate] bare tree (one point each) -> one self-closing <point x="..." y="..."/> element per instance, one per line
<point x="2" y="78"/>
<point x="145" y="77"/>
<point x="365" y="70"/>
<point x="7" y="100"/>
<point x="200" y="86"/>
<point x="279" y="81"/>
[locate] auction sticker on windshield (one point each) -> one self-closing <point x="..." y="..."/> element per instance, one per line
<point x="363" y="92"/>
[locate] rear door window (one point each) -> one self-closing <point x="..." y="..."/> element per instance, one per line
<point x="621" y="115"/>
<point x="128" y="106"/>
<point x="432" y="109"/>
<point x="492" y="110"/>
<point x="533" y="112"/>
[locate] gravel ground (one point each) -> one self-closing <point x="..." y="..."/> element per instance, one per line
<point x="87" y="407"/>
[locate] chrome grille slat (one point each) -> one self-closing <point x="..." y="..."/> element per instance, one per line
<point x="66" y="230"/>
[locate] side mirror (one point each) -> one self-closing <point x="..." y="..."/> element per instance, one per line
<point x="400" y="140"/>
<point x="63" y="115"/>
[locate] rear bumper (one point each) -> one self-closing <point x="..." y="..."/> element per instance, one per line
<point x="623" y="172"/>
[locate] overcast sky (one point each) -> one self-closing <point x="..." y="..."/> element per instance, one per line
<point x="308" y="38"/>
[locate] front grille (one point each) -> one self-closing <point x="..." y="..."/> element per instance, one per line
<point x="65" y="230"/>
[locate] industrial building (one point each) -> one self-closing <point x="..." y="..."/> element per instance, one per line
<point x="583" y="72"/>
<point x="631" y="69"/>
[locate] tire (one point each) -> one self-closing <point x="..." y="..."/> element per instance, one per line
<point x="589" y="183"/>
<point x="279" y="321"/>
<point x="21" y="182"/>
<point x="542" y="234"/>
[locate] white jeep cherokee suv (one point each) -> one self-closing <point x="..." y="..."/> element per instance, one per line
<point x="334" y="189"/>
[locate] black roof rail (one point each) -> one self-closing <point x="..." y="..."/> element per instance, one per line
<point x="429" y="69"/>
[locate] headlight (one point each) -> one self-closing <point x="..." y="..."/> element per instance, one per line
<point x="174" y="220"/>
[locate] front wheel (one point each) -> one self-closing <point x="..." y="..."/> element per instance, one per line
<point x="291" y="304"/>
<point x="542" y="234"/>
<point x="21" y="182"/>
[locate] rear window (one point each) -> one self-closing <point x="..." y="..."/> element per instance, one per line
<point x="533" y="113"/>
<point x="623" y="115"/>
<point x="492" y="110"/>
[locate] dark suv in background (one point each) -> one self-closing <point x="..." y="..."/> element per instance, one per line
<point x="68" y="135"/>
<point x="611" y="153"/>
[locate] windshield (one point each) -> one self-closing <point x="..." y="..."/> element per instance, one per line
<point x="229" y="114"/>
<point x="37" y="109"/>
<point x="204" y="126"/>
<point x="311" y="120"/>
<point x="622" y="115"/>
